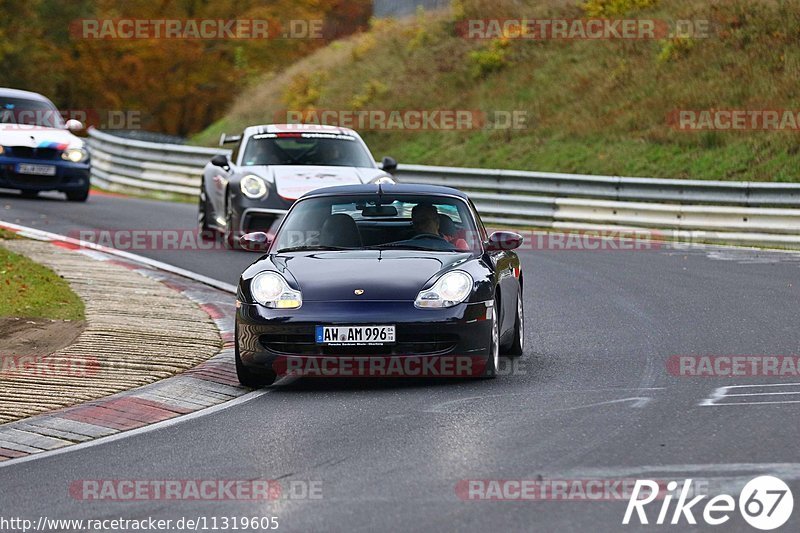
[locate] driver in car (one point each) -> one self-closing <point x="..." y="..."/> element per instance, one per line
<point x="425" y="219"/>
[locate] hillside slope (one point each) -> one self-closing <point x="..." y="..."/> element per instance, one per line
<point x="592" y="106"/>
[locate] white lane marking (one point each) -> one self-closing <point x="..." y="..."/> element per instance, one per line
<point x="640" y="401"/>
<point x="764" y="394"/>
<point x="755" y="403"/>
<point x="717" y="397"/>
<point x="789" y="470"/>
<point x="717" y="478"/>
<point x="46" y="235"/>
<point x="138" y="431"/>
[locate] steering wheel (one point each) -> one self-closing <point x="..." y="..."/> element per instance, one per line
<point x="427" y="236"/>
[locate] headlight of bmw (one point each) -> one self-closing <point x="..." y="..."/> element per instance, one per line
<point x="76" y="155"/>
<point x="253" y="187"/>
<point x="449" y="290"/>
<point x="271" y="290"/>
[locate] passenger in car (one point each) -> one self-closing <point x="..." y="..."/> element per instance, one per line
<point x="448" y="230"/>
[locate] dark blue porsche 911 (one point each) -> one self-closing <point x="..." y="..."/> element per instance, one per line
<point x="379" y="280"/>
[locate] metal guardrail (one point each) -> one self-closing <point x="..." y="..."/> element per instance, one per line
<point x="746" y="213"/>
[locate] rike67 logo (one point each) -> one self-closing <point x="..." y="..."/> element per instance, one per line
<point x="765" y="503"/>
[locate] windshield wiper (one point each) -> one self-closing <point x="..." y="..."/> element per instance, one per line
<point x="405" y="246"/>
<point x="309" y="248"/>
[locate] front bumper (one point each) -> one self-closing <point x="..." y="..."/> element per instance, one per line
<point x="258" y="214"/>
<point x="272" y="339"/>
<point x="68" y="177"/>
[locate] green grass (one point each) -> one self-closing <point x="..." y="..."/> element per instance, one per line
<point x="8" y="235"/>
<point x="595" y="107"/>
<point x="30" y="290"/>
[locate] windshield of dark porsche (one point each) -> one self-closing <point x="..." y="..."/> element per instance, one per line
<point x="327" y="149"/>
<point x="411" y="222"/>
<point x="29" y="113"/>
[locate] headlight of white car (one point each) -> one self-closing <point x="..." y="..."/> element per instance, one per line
<point x="253" y="187"/>
<point x="384" y="180"/>
<point x="76" y="155"/>
<point x="449" y="290"/>
<point x="271" y="290"/>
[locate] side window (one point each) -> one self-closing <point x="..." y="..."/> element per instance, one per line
<point x="478" y="221"/>
<point x="235" y="153"/>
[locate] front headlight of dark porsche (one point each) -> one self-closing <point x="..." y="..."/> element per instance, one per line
<point x="270" y="289"/>
<point x="253" y="186"/>
<point x="449" y="290"/>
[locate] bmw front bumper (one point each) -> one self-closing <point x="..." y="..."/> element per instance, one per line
<point x="68" y="176"/>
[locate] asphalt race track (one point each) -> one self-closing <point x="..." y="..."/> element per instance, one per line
<point x="591" y="398"/>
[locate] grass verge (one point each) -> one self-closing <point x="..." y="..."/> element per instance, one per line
<point x="30" y="290"/>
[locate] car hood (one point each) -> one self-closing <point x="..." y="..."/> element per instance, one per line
<point x="37" y="137"/>
<point x="293" y="181"/>
<point x="383" y="275"/>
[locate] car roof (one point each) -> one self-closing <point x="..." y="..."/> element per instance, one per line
<point x="397" y="188"/>
<point x="297" y="128"/>
<point x="19" y="93"/>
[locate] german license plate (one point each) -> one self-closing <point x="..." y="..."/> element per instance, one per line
<point x="355" y="335"/>
<point x="36" y="170"/>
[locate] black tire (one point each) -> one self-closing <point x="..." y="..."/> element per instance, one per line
<point x="78" y="196"/>
<point x="518" y="344"/>
<point x="202" y="213"/>
<point x="29" y="194"/>
<point x="229" y="235"/>
<point x="493" y="360"/>
<point x="250" y="378"/>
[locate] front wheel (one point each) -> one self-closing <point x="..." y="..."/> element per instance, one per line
<point x="493" y="361"/>
<point x="518" y="345"/>
<point x="250" y="378"/>
<point x="78" y="196"/>
<point x="230" y="233"/>
<point x="202" y="212"/>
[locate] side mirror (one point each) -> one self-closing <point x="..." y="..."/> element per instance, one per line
<point x="503" y="240"/>
<point x="258" y="241"/>
<point x="220" y="160"/>
<point x="389" y="164"/>
<point x="74" y="126"/>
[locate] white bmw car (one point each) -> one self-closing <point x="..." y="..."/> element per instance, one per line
<point x="38" y="150"/>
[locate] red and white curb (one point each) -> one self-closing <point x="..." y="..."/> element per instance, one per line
<point x="198" y="390"/>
